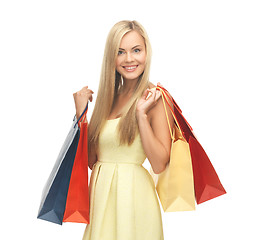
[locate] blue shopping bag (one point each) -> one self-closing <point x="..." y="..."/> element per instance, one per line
<point x="54" y="195"/>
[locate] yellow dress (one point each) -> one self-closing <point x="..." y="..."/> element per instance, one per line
<point x="123" y="200"/>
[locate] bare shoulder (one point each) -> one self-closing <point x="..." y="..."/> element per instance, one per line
<point x="151" y="85"/>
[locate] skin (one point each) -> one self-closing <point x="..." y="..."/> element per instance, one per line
<point x="150" y="112"/>
<point x="81" y="98"/>
<point x="131" y="54"/>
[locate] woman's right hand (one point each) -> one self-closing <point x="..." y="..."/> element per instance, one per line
<point x="81" y="99"/>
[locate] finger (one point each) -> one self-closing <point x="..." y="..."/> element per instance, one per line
<point x="152" y="89"/>
<point x="153" y="95"/>
<point x="159" y="84"/>
<point x="145" y="94"/>
<point x="150" y="94"/>
<point x="158" y="95"/>
<point x="91" y="98"/>
<point x="90" y="91"/>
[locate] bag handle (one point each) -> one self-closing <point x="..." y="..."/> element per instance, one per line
<point x="172" y="100"/>
<point x="176" y="106"/>
<point x="164" y="97"/>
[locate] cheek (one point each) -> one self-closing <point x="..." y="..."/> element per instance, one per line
<point x="142" y="58"/>
<point x="118" y="62"/>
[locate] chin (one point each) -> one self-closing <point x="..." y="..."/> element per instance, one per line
<point x="131" y="76"/>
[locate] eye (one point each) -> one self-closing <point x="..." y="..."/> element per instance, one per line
<point x="120" y="52"/>
<point x="137" y="50"/>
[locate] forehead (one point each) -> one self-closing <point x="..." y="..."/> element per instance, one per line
<point x="131" y="39"/>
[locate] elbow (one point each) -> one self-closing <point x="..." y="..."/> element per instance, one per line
<point x="90" y="166"/>
<point x="91" y="163"/>
<point x="163" y="162"/>
<point x="158" y="171"/>
<point x="161" y="168"/>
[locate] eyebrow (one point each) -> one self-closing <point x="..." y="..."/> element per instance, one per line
<point x="132" y="48"/>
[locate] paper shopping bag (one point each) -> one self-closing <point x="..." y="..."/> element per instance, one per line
<point x="206" y="181"/>
<point x="77" y="204"/>
<point x="175" y="185"/>
<point x="55" y="192"/>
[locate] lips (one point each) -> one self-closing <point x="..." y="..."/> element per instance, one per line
<point x="130" y="68"/>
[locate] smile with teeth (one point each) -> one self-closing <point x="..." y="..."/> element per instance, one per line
<point x="130" y="68"/>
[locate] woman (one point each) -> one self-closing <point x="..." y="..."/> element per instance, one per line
<point x="126" y="127"/>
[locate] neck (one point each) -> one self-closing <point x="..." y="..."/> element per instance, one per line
<point x="128" y="86"/>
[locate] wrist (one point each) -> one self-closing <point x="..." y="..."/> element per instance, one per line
<point x="141" y="115"/>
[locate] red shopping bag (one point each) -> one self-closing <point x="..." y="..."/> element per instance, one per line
<point x="77" y="204"/>
<point x="206" y="181"/>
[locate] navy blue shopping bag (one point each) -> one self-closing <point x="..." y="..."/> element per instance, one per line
<point x="55" y="192"/>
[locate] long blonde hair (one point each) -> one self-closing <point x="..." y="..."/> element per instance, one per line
<point x="110" y="83"/>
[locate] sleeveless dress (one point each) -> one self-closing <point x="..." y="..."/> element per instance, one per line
<point x="123" y="200"/>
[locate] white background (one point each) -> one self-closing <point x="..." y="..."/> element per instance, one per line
<point x="208" y="54"/>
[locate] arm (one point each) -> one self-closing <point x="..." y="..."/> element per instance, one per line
<point x="92" y="155"/>
<point x="155" y="135"/>
<point x="92" y="158"/>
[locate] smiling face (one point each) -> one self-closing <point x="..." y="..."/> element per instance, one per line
<point x="131" y="57"/>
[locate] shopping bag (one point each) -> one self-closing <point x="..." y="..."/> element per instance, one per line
<point x="54" y="194"/>
<point x="206" y="181"/>
<point x="175" y="185"/>
<point x="77" y="203"/>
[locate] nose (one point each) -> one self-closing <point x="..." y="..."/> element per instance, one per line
<point x="129" y="57"/>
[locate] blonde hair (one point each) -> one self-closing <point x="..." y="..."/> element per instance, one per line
<point x="111" y="82"/>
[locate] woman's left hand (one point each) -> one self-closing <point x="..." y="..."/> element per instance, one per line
<point x="145" y="104"/>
